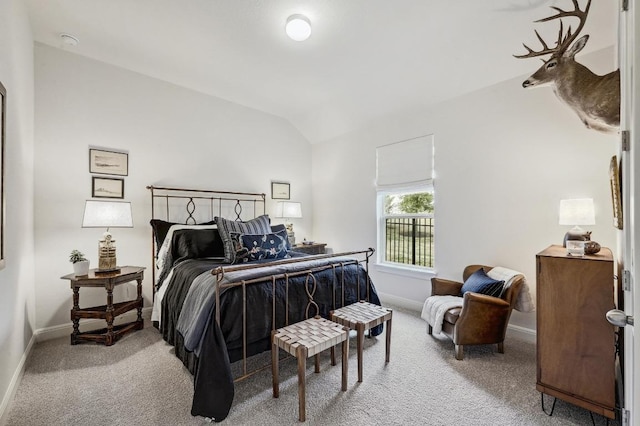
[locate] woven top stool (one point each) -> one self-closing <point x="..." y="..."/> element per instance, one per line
<point x="362" y="316"/>
<point x="302" y="340"/>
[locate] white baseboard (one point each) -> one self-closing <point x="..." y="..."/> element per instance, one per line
<point x="516" y="331"/>
<point x="15" y="382"/>
<point x="522" y="333"/>
<point x="54" y="332"/>
<point x="62" y="330"/>
<point x="400" y="302"/>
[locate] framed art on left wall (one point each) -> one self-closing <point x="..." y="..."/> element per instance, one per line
<point x="102" y="187"/>
<point x="108" y="162"/>
<point x="3" y="133"/>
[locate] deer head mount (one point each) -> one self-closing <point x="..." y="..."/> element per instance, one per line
<point x="595" y="98"/>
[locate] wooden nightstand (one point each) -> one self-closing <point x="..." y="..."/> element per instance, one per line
<point x="107" y="312"/>
<point x="315" y="248"/>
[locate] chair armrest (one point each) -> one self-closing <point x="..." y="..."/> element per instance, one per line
<point x="484" y="301"/>
<point x="482" y="318"/>
<point x="441" y="287"/>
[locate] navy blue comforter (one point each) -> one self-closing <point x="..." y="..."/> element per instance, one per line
<point x="221" y="344"/>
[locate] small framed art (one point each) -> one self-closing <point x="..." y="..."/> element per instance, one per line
<point x="280" y="191"/>
<point x="102" y="187"/>
<point x="616" y="193"/>
<point x="108" y="162"/>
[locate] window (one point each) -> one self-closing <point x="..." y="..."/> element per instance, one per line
<point x="406" y="227"/>
<point x="405" y="203"/>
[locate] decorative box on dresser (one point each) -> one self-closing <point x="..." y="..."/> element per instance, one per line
<point x="310" y="248"/>
<point x="575" y="343"/>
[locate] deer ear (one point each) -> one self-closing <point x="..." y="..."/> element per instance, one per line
<point x="577" y="46"/>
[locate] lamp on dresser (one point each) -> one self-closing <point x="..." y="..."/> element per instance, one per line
<point x="107" y="214"/>
<point x="289" y="210"/>
<point x="576" y="212"/>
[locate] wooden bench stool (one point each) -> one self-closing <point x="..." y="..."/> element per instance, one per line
<point x="302" y="340"/>
<point x="362" y="316"/>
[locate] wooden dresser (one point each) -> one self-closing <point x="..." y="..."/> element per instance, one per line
<point x="575" y="343"/>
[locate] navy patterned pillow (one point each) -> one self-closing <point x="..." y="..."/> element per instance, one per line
<point x="480" y="282"/>
<point x="259" y="225"/>
<point x="267" y="246"/>
<point x="278" y="228"/>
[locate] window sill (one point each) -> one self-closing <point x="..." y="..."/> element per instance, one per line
<point x="406" y="271"/>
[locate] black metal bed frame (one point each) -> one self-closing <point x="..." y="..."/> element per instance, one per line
<point x="235" y="199"/>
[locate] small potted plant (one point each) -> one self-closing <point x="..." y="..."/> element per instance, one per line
<point x="80" y="263"/>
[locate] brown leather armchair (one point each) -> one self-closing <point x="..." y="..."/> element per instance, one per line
<point x="483" y="319"/>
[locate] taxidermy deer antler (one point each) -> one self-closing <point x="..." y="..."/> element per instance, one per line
<point x="595" y="98"/>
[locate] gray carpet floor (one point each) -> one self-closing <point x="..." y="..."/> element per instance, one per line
<point x="139" y="381"/>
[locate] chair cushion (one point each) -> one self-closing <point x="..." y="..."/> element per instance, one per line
<point x="452" y="315"/>
<point x="480" y="282"/>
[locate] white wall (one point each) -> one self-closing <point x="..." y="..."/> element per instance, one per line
<point x="174" y="136"/>
<point x="17" y="306"/>
<point x="504" y="158"/>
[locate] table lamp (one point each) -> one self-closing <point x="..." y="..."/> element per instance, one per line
<point x="107" y="214"/>
<point x="579" y="211"/>
<point x="289" y="210"/>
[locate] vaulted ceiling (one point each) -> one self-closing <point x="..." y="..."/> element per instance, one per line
<point x="364" y="60"/>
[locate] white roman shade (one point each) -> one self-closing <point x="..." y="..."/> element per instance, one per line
<point x="405" y="163"/>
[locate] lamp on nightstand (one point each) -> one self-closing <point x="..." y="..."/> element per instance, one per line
<point x="289" y="210"/>
<point x="107" y="214"/>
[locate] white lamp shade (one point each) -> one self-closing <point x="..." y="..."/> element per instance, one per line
<point x="579" y="211"/>
<point x="288" y="209"/>
<point x="298" y="27"/>
<point x="107" y="214"/>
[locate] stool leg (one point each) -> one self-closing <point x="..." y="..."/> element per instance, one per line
<point x="345" y="363"/>
<point x="333" y="348"/>
<point x="317" y="360"/>
<point x="274" y="366"/>
<point x="360" y="330"/>
<point x="388" y="343"/>
<point x="301" y="354"/>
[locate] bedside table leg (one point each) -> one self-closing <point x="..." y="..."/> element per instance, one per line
<point x="139" y="299"/>
<point x="109" y="317"/>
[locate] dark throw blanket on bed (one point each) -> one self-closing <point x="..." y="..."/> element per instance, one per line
<point x="221" y="345"/>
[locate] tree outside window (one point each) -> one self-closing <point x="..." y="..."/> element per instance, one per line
<point x="408" y="228"/>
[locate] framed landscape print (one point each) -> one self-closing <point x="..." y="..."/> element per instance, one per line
<point x="3" y="135"/>
<point x="108" y="162"/>
<point x="107" y="187"/>
<point x="280" y="191"/>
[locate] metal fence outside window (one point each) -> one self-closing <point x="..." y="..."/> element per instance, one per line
<point x="409" y="240"/>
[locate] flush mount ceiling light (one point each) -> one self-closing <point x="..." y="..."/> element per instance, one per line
<point x="298" y="27"/>
<point x="69" y="40"/>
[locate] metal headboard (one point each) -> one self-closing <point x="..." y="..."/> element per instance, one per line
<point x="186" y="205"/>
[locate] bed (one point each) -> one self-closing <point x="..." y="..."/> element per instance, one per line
<point x="225" y="277"/>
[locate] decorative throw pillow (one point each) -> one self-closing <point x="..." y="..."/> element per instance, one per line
<point x="161" y="229"/>
<point x="281" y="227"/>
<point x="259" y="225"/>
<point x="196" y="244"/>
<point x="480" y="282"/>
<point x="242" y="254"/>
<point x="267" y="246"/>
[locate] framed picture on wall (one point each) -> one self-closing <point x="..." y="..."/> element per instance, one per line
<point x="280" y="191"/>
<point x="108" y="162"/>
<point x="102" y="187"/>
<point x="616" y="193"/>
<point x="3" y="135"/>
